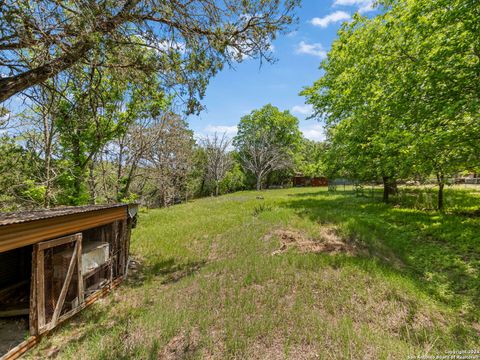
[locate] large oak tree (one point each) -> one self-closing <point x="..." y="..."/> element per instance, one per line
<point x="400" y="94"/>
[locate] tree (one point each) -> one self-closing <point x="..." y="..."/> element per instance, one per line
<point x="400" y="91"/>
<point x="169" y="160"/>
<point x="41" y="134"/>
<point x="191" y="39"/>
<point x="261" y="156"/>
<point x="266" y="141"/>
<point x="234" y="179"/>
<point x="16" y="173"/>
<point x="218" y="159"/>
<point x="310" y="161"/>
<point x="363" y="139"/>
<point x="138" y="110"/>
<point x="87" y="120"/>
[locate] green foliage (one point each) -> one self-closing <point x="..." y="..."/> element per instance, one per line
<point x="182" y="45"/>
<point x="71" y="190"/>
<point x="400" y="92"/>
<point x="267" y="142"/>
<point x="16" y="172"/>
<point x="133" y="198"/>
<point x="310" y="160"/>
<point x="33" y="192"/>
<point x="234" y="180"/>
<point x="261" y="208"/>
<point x="282" y="127"/>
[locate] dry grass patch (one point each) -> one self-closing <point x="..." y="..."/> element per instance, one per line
<point x="182" y="346"/>
<point x="327" y="241"/>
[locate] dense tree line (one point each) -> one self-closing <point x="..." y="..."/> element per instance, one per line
<point x="104" y="88"/>
<point x="138" y="149"/>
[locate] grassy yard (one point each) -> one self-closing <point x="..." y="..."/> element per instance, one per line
<point x="298" y="274"/>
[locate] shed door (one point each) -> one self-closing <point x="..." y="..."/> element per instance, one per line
<point x="57" y="289"/>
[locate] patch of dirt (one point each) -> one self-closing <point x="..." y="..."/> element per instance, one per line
<point x="181" y="346"/>
<point x="328" y="241"/>
<point x="278" y="349"/>
<point x="476" y="326"/>
<point x="12" y="332"/>
<point x="135" y="272"/>
<point x="217" y="249"/>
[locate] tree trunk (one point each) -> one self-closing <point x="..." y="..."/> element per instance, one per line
<point x="77" y="172"/>
<point x="77" y="188"/>
<point x="47" y="137"/>
<point x="216" y="188"/>
<point x="441" y="185"/>
<point x="15" y="84"/>
<point x="389" y="188"/>
<point x="259" y="183"/>
<point x="92" y="185"/>
<point x="269" y="181"/>
<point x="202" y="186"/>
<point x="46" y="200"/>
<point x="386" y="190"/>
<point x="118" y="187"/>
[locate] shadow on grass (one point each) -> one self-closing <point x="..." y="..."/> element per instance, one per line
<point x="440" y="252"/>
<point x="170" y="271"/>
<point x="426" y="198"/>
<point x="322" y="192"/>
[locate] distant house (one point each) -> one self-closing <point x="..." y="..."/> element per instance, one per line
<point x="299" y="180"/>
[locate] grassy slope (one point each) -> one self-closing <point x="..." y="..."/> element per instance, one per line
<point x="210" y="283"/>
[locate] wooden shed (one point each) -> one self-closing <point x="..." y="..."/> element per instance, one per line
<point x="55" y="262"/>
<point x="299" y="180"/>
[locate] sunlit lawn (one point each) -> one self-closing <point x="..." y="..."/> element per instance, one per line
<point x="208" y="285"/>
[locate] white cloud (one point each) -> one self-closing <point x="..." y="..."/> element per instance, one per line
<point x="347" y="2"/>
<point x="366" y="8"/>
<point x="314" y="132"/>
<point x="173" y="45"/>
<point x="237" y="54"/>
<point x="306" y="109"/>
<point x="315" y="49"/>
<point x="363" y="5"/>
<point x="162" y="45"/>
<point x="221" y="129"/>
<point x="334" y="17"/>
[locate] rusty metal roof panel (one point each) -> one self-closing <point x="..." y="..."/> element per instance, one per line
<point x="26" y="216"/>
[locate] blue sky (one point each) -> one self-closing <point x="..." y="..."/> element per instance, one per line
<point x="236" y="92"/>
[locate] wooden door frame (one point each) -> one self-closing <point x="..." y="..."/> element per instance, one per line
<point x="38" y="323"/>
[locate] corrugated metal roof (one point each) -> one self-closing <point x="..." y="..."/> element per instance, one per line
<point x="25" y="216"/>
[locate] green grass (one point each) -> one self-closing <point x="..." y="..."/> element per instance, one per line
<point x="209" y="287"/>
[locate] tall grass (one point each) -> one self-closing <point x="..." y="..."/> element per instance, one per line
<point x="208" y="285"/>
